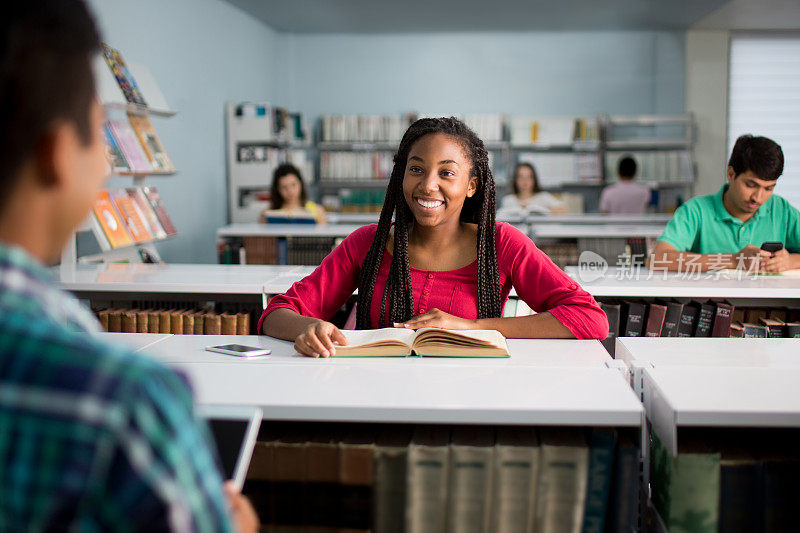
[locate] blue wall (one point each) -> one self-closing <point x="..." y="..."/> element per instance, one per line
<point x="202" y="53"/>
<point x="205" y="52"/>
<point x="537" y="73"/>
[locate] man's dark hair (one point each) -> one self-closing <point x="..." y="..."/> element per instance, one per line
<point x="286" y="169"/>
<point x="480" y="209"/>
<point x="627" y="167"/>
<point x="760" y="155"/>
<point x="46" y="49"/>
<point x="515" y="187"/>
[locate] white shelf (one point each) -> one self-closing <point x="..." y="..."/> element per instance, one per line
<point x="572" y="231"/>
<point x="648" y="144"/>
<point x="617" y="282"/>
<point x="281" y="282"/>
<point x="405" y="390"/>
<point x="178" y="278"/>
<point x="352" y="218"/>
<point x="287" y="230"/>
<point x="357" y="146"/>
<point x="598" y="218"/>
<point x="376" y="183"/>
<point x="751" y="397"/>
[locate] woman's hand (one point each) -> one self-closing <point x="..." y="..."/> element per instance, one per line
<point x="437" y="319"/>
<point x="318" y="338"/>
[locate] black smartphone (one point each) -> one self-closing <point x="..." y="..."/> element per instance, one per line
<point x="772" y="247"/>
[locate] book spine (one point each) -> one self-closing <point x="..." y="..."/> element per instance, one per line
<point x="142" y="321"/>
<point x="102" y="316"/>
<point x="213" y="324"/>
<point x="115" y="321"/>
<point x="128" y="322"/>
<point x="722" y="320"/>
<point x="199" y="323"/>
<point x="228" y="324"/>
<point x="243" y="323"/>
<point x="188" y="323"/>
<point x="469" y="489"/>
<point x="165" y="322"/>
<point x="601" y="458"/>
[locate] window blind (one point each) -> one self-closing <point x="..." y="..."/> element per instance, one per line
<point x="764" y="99"/>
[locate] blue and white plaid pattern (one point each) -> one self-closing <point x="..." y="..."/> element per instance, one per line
<point x="93" y="437"/>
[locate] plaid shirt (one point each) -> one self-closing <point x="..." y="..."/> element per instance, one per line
<point x="92" y="436"/>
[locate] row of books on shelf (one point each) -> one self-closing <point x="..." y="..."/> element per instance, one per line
<point x="178" y="321"/>
<point x="673" y="318"/>
<point x="349" y="166"/>
<point x="659" y="167"/>
<point x="274" y="124"/>
<point x="354" y="200"/>
<point x="132" y="215"/>
<point x="275" y="250"/>
<point x="552" y="131"/>
<point x="134" y="146"/>
<point x="490" y="127"/>
<point x="398" y="478"/>
<point x="727" y="480"/>
<point x="365" y="128"/>
<point x="264" y="158"/>
<point x="556" y="169"/>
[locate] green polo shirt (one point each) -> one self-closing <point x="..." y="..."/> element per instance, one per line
<point x="703" y="225"/>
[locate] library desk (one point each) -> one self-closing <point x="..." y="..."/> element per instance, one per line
<point x="720" y="396"/>
<point x="544" y="382"/>
<point x="137" y="341"/>
<point x="690" y="353"/>
<point x="554" y="353"/>
<point x="538" y="230"/>
<point x="287" y="230"/>
<point x="620" y="282"/>
<point x="163" y="281"/>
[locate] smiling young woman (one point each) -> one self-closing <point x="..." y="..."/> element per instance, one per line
<point x="443" y="262"/>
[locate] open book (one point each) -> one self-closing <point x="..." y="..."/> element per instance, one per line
<point x="425" y="342"/>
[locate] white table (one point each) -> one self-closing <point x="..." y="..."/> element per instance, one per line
<point x="553" y="353"/>
<point x="707" y="396"/>
<point x="543" y="387"/>
<point x="642" y="283"/>
<point x="137" y="341"/>
<point x="233" y="281"/>
<point x="540" y="230"/>
<point x="640" y="353"/>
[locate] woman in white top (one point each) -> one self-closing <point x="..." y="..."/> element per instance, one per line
<point x="528" y="196"/>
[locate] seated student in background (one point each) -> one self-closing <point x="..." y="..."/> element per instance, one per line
<point x="443" y="263"/>
<point x="528" y="196"/>
<point x="727" y="229"/>
<point x="94" y="437"/>
<point x="625" y="197"/>
<point x="289" y="197"/>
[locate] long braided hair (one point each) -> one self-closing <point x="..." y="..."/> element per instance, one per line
<point x="480" y="209"/>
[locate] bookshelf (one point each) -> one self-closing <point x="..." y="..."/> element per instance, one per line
<point x="663" y="147"/>
<point x="259" y="137"/>
<point x="126" y="223"/>
<point x="571" y="154"/>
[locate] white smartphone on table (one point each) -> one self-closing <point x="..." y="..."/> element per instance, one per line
<point x="239" y="350"/>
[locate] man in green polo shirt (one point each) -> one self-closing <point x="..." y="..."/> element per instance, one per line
<point x="727" y="229"/>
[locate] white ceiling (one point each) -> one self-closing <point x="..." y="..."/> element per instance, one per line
<point x="410" y="16"/>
